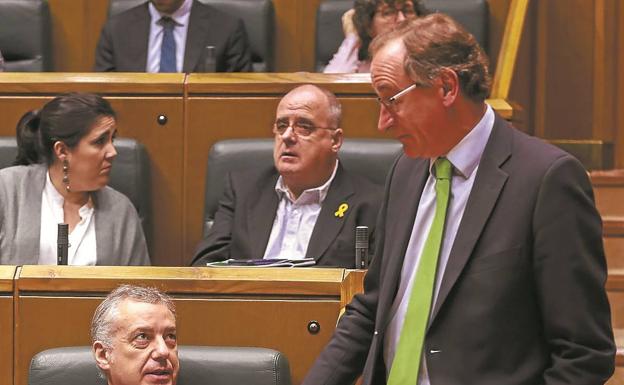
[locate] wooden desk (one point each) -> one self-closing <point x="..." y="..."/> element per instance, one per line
<point x="215" y="306"/>
<point x="6" y="323"/>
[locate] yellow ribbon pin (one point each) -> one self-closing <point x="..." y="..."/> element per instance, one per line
<point x="341" y="210"/>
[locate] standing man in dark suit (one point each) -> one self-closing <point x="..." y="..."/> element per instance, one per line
<point x="307" y="205"/>
<point x="172" y="36"/>
<point x="489" y="264"/>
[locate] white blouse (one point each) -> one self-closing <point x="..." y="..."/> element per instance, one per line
<point x="82" y="244"/>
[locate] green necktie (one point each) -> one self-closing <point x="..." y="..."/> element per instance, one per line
<point x="407" y="358"/>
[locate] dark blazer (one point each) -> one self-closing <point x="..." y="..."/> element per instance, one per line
<point x="246" y="212"/>
<point x="123" y="44"/>
<point x="522" y="300"/>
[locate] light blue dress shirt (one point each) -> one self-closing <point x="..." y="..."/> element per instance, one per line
<point x="295" y="220"/>
<point x="181" y="18"/>
<point x="465" y="157"/>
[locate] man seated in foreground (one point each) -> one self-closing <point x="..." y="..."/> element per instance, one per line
<point x="306" y="205"/>
<point x="134" y="337"/>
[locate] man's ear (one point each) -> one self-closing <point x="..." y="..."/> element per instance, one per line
<point x="101" y="355"/>
<point x="337" y="139"/>
<point x="449" y="86"/>
<point x="61" y="151"/>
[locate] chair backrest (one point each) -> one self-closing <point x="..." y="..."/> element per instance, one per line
<point x="472" y="14"/>
<point x="257" y="15"/>
<point x="130" y="174"/>
<point x="199" y="365"/>
<point x="371" y="158"/>
<point x="25" y="35"/>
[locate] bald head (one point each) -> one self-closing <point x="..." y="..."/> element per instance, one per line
<point x="321" y="97"/>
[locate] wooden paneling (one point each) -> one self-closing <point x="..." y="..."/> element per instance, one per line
<point x="6" y="323"/>
<point x="619" y="81"/>
<point x="76" y="26"/>
<point x="215" y="306"/>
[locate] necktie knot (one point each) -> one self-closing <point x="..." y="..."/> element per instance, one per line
<point x="167" y="22"/>
<point x="443" y="168"/>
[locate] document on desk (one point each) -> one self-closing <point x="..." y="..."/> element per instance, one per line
<point x="263" y="263"/>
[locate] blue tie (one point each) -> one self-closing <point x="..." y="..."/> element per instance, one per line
<point x="168" y="47"/>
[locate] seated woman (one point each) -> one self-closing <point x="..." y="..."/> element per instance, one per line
<point x="65" y="154"/>
<point x="367" y="19"/>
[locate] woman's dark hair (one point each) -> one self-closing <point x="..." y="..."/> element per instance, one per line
<point x="66" y="118"/>
<point x="363" y="19"/>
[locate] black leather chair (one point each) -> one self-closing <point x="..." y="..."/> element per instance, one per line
<point x="130" y="174"/>
<point x="473" y="14"/>
<point x="25" y="35"/>
<point x="368" y="157"/>
<point x="258" y="16"/>
<point x="199" y="365"/>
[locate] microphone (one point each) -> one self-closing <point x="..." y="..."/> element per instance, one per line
<point x="62" y="242"/>
<point x="361" y="247"/>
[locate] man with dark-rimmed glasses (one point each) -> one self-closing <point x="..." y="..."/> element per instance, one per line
<point x="489" y="267"/>
<point x="306" y="205"/>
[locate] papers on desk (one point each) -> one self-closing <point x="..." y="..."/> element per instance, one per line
<point x="263" y="263"/>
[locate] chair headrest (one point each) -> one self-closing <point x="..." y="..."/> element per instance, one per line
<point x="25" y="35"/>
<point x="199" y="365"/>
<point x="130" y="174"/>
<point x="371" y="158"/>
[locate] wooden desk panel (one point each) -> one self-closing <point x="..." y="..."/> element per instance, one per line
<point x="6" y="323"/>
<point x="216" y="306"/>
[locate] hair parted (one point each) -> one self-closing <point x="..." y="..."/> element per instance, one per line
<point x="363" y="19"/>
<point x="104" y="316"/>
<point x="436" y="41"/>
<point x="66" y="118"/>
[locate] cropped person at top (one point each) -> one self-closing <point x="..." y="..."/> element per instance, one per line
<point x="172" y="36"/>
<point x="367" y="19"/>
<point x="65" y="155"/>
<point x="305" y="206"/>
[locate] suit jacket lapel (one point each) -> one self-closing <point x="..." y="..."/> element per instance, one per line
<point x="399" y="223"/>
<point x="261" y="215"/>
<point x="328" y="225"/>
<point x="488" y="185"/>
<point x="199" y="23"/>
<point x="136" y="52"/>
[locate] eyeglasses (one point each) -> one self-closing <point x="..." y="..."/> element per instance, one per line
<point x="390" y="103"/>
<point x="391" y="13"/>
<point x="300" y="128"/>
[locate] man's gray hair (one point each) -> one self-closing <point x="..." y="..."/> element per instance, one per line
<point x="335" y="108"/>
<point x="105" y="314"/>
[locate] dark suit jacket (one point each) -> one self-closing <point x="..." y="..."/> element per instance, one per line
<point x="522" y="300"/>
<point x="245" y="216"/>
<point x="124" y="40"/>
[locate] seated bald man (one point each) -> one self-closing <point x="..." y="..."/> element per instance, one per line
<point x="134" y="337"/>
<point x="306" y="205"/>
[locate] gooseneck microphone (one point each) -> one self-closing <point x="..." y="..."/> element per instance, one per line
<point x="62" y="242"/>
<point x="361" y="247"/>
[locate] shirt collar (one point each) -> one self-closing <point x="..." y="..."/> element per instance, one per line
<point x="309" y="196"/>
<point x="180" y="16"/>
<point x="58" y="201"/>
<point x="466" y="154"/>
